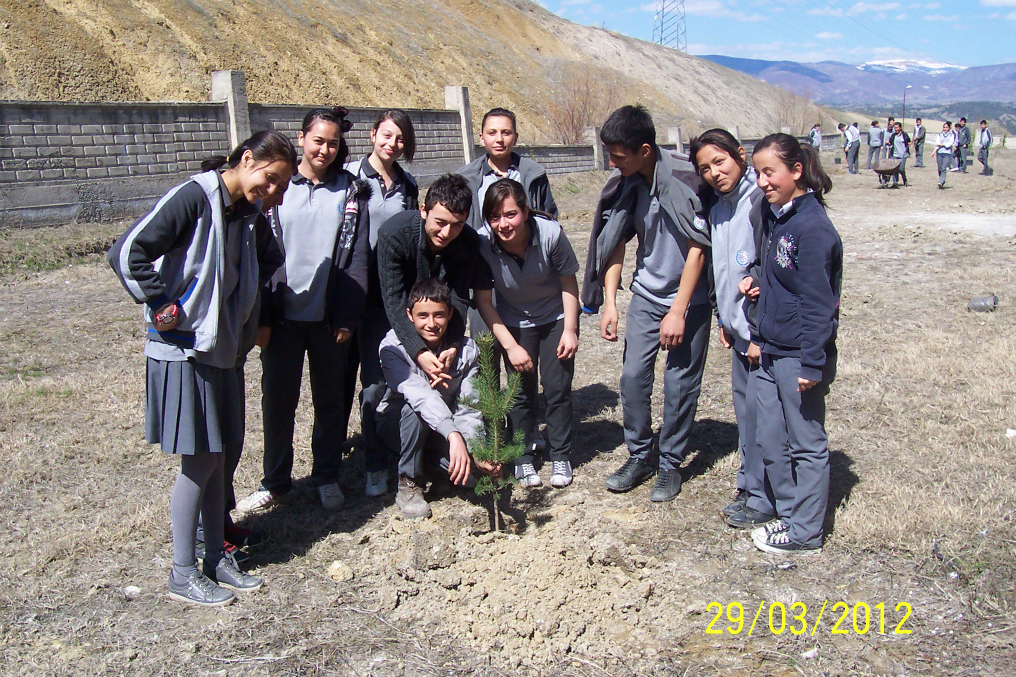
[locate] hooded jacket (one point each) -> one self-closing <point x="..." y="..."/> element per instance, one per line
<point x="679" y="189"/>
<point x="176" y="253"/>
<point x="534" y="180"/>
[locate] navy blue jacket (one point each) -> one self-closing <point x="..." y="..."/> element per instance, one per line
<point x="802" y="266"/>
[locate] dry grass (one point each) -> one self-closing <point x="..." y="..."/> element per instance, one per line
<point x="923" y="501"/>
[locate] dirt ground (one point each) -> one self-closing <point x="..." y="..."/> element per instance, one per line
<point x="922" y="517"/>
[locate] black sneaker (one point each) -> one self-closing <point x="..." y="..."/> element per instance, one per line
<point x="740" y="500"/>
<point x="779" y="543"/>
<point x="628" y="475"/>
<point x="668" y="486"/>
<point x="749" y="518"/>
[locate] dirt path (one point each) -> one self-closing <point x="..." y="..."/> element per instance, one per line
<point x="586" y="582"/>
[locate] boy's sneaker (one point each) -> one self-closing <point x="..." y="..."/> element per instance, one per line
<point x="331" y="496"/>
<point x="774" y="527"/>
<point x="628" y="475"/>
<point x="377" y="483"/>
<point x="740" y="500"/>
<point x="259" y="501"/>
<point x="525" y="473"/>
<point x="561" y="474"/>
<point x="410" y="499"/>
<point x="668" y="486"/>
<point x="749" y="518"/>
<point x="228" y="575"/>
<point x="198" y="589"/>
<point x="242" y="538"/>
<point x="779" y="543"/>
<point x="227" y="548"/>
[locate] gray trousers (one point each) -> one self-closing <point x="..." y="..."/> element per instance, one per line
<point x="682" y="379"/>
<point x="901" y="173"/>
<point x="794" y="445"/>
<point x="282" y="371"/>
<point x="852" y="152"/>
<point x="982" y="157"/>
<point x="919" y="153"/>
<point x="364" y="354"/>
<point x="961" y="158"/>
<point x="874" y="154"/>
<point x="944" y="160"/>
<point x="751" y="476"/>
<point x="401" y="430"/>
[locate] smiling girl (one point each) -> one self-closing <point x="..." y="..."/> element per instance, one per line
<point x="196" y="261"/>
<point x="536" y="319"/>
<point x="735" y="219"/>
<point x="798" y="315"/>
<point x="317" y="300"/>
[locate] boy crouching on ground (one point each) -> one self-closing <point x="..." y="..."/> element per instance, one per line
<point x="426" y="420"/>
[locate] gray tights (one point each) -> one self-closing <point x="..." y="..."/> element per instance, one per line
<point x="199" y="488"/>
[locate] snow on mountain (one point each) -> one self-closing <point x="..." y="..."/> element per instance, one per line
<point x="900" y="66"/>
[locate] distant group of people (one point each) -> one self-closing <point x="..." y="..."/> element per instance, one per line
<point x="340" y="261"/>
<point x="952" y="146"/>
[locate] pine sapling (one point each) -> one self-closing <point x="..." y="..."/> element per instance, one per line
<point x="494" y="403"/>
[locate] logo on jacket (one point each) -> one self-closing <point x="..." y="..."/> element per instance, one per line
<point x="785" y="252"/>
<point x="742" y="258"/>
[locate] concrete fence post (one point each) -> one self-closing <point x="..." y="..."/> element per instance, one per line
<point x="457" y="98"/>
<point x="736" y="131"/>
<point x="231" y="87"/>
<point x="591" y="135"/>
<point x="674" y="137"/>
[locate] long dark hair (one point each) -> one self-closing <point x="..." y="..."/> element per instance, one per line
<point x="723" y="140"/>
<point x="791" y="153"/>
<point x="400" y="119"/>
<point x="337" y="116"/>
<point x="500" y="191"/>
<point x="264" y="146"/>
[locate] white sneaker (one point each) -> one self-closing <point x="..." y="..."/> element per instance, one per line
<point x="331" y="496"/>
<point x="259" y="501"/>
<point x="377" y="483"/>
<point x="525" y="473"/>
<point x="561" y="475"/>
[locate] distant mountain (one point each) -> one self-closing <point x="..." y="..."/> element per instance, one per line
<point x="879" y="82"/>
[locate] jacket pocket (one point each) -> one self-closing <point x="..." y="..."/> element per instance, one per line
<point x="783" y="326"/>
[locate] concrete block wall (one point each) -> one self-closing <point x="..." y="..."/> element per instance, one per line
<point x="561" y="159"/>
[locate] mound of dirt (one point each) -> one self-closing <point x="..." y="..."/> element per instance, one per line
<point x="365" y="53"/>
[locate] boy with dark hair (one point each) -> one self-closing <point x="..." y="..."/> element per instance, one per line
<point x="498" y="136"/>
<point x="648" y="197"/>
<point x="983" y="144"/>
<point x="851" y="146"/>
<point x="962" y="144"/>
<point x="920" y="133"/>
<point x="416" y="416"/>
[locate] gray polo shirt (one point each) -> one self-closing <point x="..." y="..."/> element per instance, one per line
<point x="488" y="181"/>
<point x="528" y="289"/>
<point x="662" y="252"/>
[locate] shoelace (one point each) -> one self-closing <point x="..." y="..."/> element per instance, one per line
<point x="205" y="585"/>
<point x="528" y="469"/>
<point x="779" y="538"/>
<point x="559" y="468"/>
<point x="628" y="465"/>
<point x="775" y="527"/>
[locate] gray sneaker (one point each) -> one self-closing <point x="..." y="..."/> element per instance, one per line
<point x="410" y="499"/>
<point x="198" y="589"/>
<point x="228" y="575"/>
<point x="561" y="474"/>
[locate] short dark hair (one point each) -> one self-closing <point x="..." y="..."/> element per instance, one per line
<point x="841" y="126"/>
<point x="963" y="119"/>
<point x="430" y="289"/>
<point x="630" y="127"/>
<point x="984" y="122"/>
<point x="452" y="191"/>
<point x="499" y="113"/>
<point x="917" y="120"/>
<point x="400" y="119"/>
<point x="874" y="123"/>
<point x="720" y="138"/>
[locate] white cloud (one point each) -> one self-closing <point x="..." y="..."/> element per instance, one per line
<point x="829" y="36"/>
<point x="927" y="5"/>
<point x="864" y="7"/>
<point x="941" y="17"/>
<point x="1011" y="16"/>
<point x="999" y="3"/>
<point x="900" y="17"/>
<point x="718" y="10"/>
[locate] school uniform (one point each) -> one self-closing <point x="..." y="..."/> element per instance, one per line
<point x="962" y="144"/>
<point x="322" y="288"/>
<point x="945" y="144"/>
<point x="665" y="217"/>
<point x="480" y="176"/>
<point x="874" y="144"/>
<point x="796" y="325"/>
<point x="920" y="133"/>
<point x="899" y="148"/>
<point x="815" y="136"/>
<point x="528" y="298"/>
<point x="983" y="144"/>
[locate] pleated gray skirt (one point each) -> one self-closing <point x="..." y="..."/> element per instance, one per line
<point x="192" y="408"/>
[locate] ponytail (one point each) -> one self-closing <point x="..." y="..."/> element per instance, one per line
<point x="265" y="146"/>
<point x="791" y="153"/>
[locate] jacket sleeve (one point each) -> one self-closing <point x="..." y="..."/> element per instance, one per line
<point x="541" y="197"/>
<point x="349" y="288"/>
<point x="468" y="421"/>
<point x="270" y="257"/>
<point x="592" y="287"/>
<point x="755" y="270"/>
<point x="132" y="257"/>
<point x="393" y="264"/>
<point x="414" y="388"/>
<point x="817" y="253"/>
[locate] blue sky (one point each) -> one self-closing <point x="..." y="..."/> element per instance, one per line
<point x="973" y="33"/>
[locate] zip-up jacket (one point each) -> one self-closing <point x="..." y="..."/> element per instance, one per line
<point x="682" y="195"/>
<point x="874" y="136"/>
<point x="176" y="254"/>
<point x="404" y="258"/>
<point x="534" y="180"/>
<point x="332" y="218"/>
<point x="735" y="221"/>
<point x="984" y="138"/>
<point x="894" y="151"/>
<point x="445" y="410"/>
<point x="962" y="136"/>
<point x="920" y="131"/>
<point x="802" y="267"/>
<point x="945" y="142"/>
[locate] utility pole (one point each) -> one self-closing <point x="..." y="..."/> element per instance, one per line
<point x="669" y="25"/>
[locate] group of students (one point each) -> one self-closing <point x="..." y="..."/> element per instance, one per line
<point x="951" y="148"/>
<point x="353" y="271"/>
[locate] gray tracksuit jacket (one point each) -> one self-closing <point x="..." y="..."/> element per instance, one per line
<point x="532" y="177"/>
<point x="735" y="221"/>
<point x="444" y="411"/>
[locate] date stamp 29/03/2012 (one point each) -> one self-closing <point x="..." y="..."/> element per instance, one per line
<point x="844" y="619"/>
